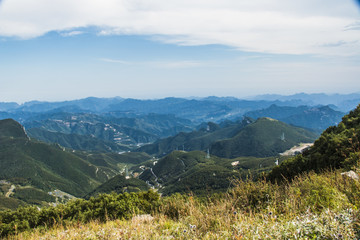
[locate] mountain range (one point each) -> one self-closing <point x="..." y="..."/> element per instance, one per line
<point x="344" y="102"/>
<point x="316" y="118"/>
<point x="197" y="109"/>
<point x="118" y="124"/>
<point x="50" y="152"/>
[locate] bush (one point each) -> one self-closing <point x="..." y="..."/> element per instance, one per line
<point x="176" y="205"/>
<point x="103" y="207"/>
<point x="255" y="196"/>
<point x="317" y="192"/>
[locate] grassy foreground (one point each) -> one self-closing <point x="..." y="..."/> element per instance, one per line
<point x="312" y="206"/>
<point x="328" y="225"/>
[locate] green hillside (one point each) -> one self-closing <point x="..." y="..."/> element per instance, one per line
<point x="26" y="163"/>
<point x="337" y="147"/>
<point x="45" y="167"/>
<point x="115" y="127"/>
<point x="196" y="140"/>
<point x="119" y="184"/>
<point x="76" y="141"/>
<point x="198" y="173"/>
<point x="89" y="125"/>
<point x="113" y="161"/>
<point x="263" y="138"/>
<point x="12" y="129"/>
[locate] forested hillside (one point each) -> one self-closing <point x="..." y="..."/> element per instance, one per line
<point x="196" y="140"/>
<point x="29" y="169"/>
<point x="337" y="147"/>
<point x="263" y="138"/>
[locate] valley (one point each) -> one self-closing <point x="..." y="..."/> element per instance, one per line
<point x="70" y="159"/>
<point x="179" y="119"/>
<point x="91" y="146"/>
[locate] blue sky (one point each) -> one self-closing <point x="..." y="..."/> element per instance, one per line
<point x="61" y="50"/>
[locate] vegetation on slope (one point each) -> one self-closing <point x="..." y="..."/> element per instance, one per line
<point x="337" y="147"/>
<point x="12" y="129"/>
<point x="200" y="173"/>
<point x="263" y="138"/>
<point x="196" y="140"/>
<point x="76" y="141"/>
<point x="32" y="169"/>
<point x="104" y="207"/>
<point x="119" y="184"/>
<point x="310" y="207"/>
<point x="114" y="127"/>
<point x="117" y="163"/>
<point x="45" y="167"/>
<point x="322" y="205"/>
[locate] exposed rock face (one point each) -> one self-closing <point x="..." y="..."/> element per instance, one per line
<point x="351" y="174"/>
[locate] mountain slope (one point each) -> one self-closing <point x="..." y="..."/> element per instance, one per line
<point x="196" y="140"/>
<point x="129" y="131"/>
<point x="12" y="129"/>
<point x="45" y="167"/>
<point x="75" y="141"/>
<point x="119" y="184"/>
<point x="337" y="147"/>
<point x="198" y="172"/>
<point x="90" y="124"/>
<point x="263" y="138"/>
<point x="318" y="118"/>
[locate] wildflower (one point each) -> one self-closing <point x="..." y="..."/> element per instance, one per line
<point x="234" y="212"/>
<point x="192" y="226"/>
<point x="340" y="235"/>
<point x="270" y="213"/>
<point x="184" y="230"/>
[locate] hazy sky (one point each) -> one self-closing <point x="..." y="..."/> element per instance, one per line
<point x="65" y="49"/>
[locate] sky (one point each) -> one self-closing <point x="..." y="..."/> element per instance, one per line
<point x="64" y="49"/>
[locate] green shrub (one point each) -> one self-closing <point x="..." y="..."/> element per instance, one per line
<point x="249" y="195"/>
<point x="175" y="205"/>
<point x="316" y="192"/>
<point x="104" y="207"/>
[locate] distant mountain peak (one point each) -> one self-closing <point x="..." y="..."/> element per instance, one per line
<point x="270" y="119"/>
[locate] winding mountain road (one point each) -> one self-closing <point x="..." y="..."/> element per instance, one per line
<point x="11" y="191"/>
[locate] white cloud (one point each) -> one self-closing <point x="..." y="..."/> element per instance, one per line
<point x="71" y="33"/>
<point x="159" y="64"/>
<point x="109" y="60"/>
<point x="271" y="26"/>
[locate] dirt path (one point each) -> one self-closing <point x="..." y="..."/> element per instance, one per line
<point x="11" y="191"/>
